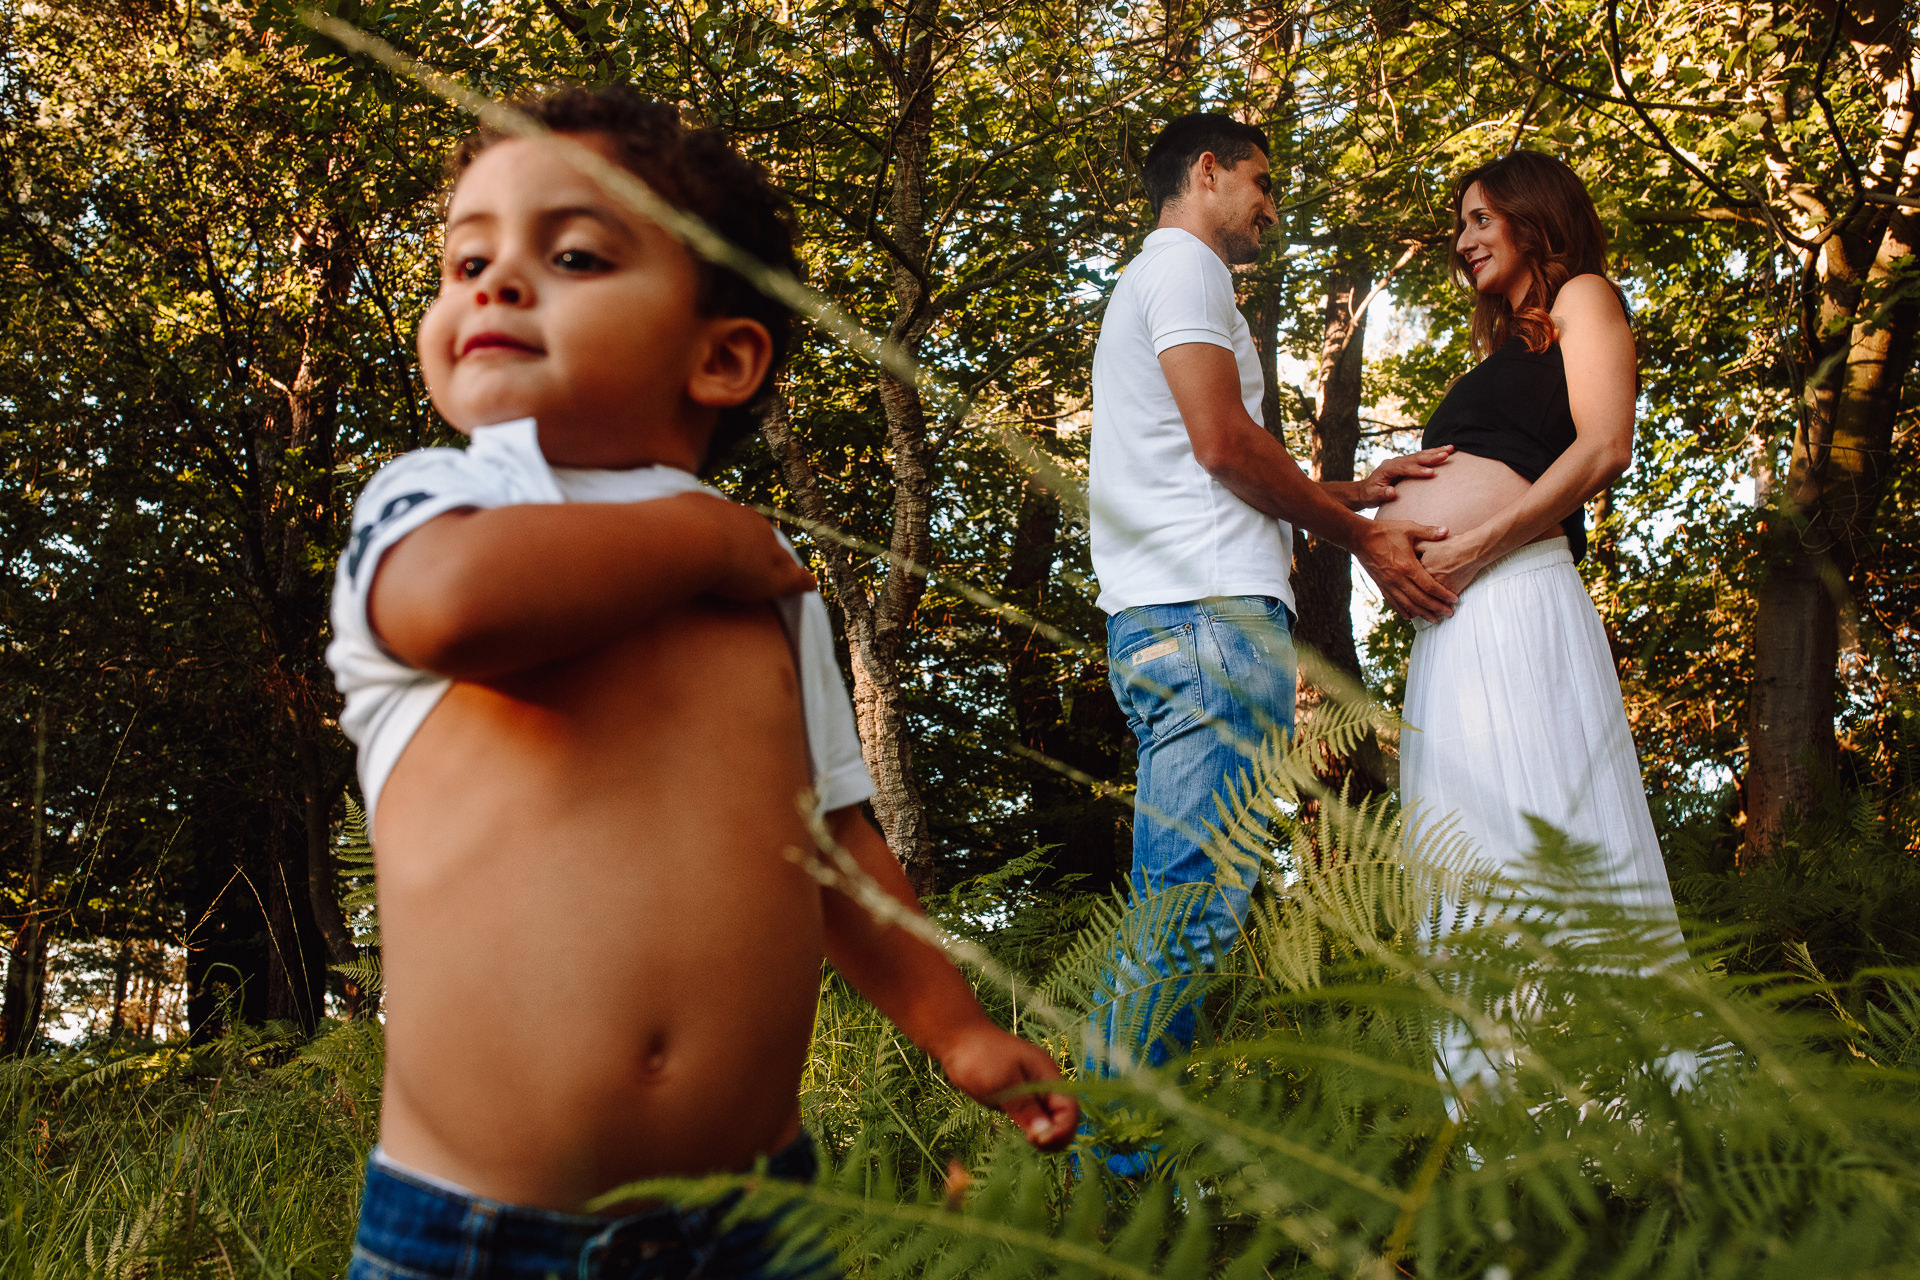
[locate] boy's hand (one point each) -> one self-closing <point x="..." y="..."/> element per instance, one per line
<point x="984" y="1062"/>
<point x="752" y="563"/>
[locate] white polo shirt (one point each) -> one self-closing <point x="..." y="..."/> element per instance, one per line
<point x="1164" y="530"/>
<point x="387" y="700"/>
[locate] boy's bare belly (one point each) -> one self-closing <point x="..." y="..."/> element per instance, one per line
<point x="599" y="964"/>
<point x="1468" y="491"/>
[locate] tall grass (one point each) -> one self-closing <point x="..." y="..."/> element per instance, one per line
<point x="1636" y="1117"/>
<point x="234" y="1158"/>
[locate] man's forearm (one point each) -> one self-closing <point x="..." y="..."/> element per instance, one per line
<point x="1350" y="494"/>
<point x="1259" y="471"/>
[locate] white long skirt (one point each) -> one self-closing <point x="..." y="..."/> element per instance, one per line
<point x="1517" y="710"/>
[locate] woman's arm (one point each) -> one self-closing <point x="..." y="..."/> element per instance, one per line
<point x="1597" y="349"/>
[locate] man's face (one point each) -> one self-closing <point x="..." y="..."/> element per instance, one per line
<point x="1243" y="207"/>
<point x="557" y="303"/>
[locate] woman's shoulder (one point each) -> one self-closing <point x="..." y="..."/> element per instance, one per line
<point x="1589" y="295"/>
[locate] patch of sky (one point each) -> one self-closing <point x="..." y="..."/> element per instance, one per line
<point x="1709" y="777"/>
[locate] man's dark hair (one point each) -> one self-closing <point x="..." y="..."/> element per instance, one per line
<point x="1185" y="140"/>
<point x="697" y="170"/>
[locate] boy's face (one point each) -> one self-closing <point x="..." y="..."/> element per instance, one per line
<point x="558" y="304"/>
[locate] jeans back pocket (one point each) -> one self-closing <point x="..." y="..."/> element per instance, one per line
<point x="1156" y="680"/>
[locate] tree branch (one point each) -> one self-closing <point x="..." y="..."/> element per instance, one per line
<point x="1826" y="108"/>
<point x="1681" y="217"/>
<point x="1513" y="64"/>
<point x="1660" y="135"/>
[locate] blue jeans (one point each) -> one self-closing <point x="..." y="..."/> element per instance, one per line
<point x="413" y="1230"/>
<point x="1202" y="684"/>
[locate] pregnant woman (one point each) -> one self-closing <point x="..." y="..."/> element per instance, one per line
<point x="1514" y="696"/>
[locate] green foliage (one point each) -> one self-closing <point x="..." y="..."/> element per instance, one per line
<point x="1637" y="1115"/>
<point x="359" y="903"/>
<point x="1307" y="1135"/>
<point x="214" y="1160"/>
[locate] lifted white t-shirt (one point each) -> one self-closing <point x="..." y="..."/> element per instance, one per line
<point x="1164" y="530"/>
<point x="387" y="700"/>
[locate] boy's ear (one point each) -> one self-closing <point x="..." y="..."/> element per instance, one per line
<point x="733" y="363"/>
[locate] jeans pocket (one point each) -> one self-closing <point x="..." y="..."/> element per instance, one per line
<point x="1256" y="668"/>
<point x="1158" y="682"/>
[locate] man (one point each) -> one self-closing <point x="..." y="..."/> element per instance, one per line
<point x="1193" y="508"/>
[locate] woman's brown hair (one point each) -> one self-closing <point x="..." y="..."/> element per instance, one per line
<point x="1552" y="222"/>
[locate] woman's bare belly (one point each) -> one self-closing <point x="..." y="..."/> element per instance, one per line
<point x="1465" y="491"/>
<point x="600" y="965"/>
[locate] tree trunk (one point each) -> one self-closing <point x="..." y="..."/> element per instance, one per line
<point x="878" y="622"/>
<point x="320" y="794"/>
<point x="21" y="1009"/>
<point x="155" y="990"/>
<point x="1322" y="570"/>
<point x="296" y="957"/>
<point x="307" y="931"/>
<point x="1081" y="829"/>
<point x="122" y="973"/>
<point x="1837" y="474"/>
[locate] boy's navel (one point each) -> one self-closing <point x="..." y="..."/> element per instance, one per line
<point x="654" y="1062"/>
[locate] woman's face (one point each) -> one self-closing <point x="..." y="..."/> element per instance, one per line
<point x="1486" y="243"/>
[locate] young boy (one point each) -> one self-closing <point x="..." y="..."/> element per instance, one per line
<point x="587" y="692"/>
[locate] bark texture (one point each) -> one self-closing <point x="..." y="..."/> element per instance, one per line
<point x="1323" y="570"/>
<point x="1857" y="341"/>
<point x="879" y="620"/>
<point x="1062" y="708"/>
<point x="26" y="982"/>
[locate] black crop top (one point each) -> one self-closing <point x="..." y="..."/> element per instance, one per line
<point x="1512" y="407"/>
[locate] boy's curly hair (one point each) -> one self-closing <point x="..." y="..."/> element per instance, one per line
<point x="697" y="170"/>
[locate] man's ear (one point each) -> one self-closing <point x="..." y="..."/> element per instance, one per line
<point x="1206" y="168"/>
<point x="732" y="363"/>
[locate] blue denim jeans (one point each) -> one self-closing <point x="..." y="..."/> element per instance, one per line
<point x="1202" y="684"/>
<point x="413" y="1230"/>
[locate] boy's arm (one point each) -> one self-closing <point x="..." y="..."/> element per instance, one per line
<point x="475" y="594"/>
<point x="925" y="996"/>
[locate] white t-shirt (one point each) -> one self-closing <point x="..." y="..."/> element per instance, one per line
<point x="387" y="700"/>
<point x="1164" y="530"/>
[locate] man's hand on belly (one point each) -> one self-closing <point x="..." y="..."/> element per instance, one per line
<point x="1387" y="552"/>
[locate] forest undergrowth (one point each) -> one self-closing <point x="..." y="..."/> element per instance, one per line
<point x="1636" y="1117"/>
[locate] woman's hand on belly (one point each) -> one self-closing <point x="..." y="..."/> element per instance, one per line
<point x="1463" y="496"/>
<point x="1454" y="563"/>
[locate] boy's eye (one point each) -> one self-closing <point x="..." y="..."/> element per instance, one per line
<point x="580" y="260"/>
<point x="468" y="268"/>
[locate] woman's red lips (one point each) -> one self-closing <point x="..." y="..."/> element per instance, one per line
<point x="481" y="340"/>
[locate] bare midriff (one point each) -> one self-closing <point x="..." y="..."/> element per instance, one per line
<point x="1464" y="492"/>
<point x="600" y="963"/>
